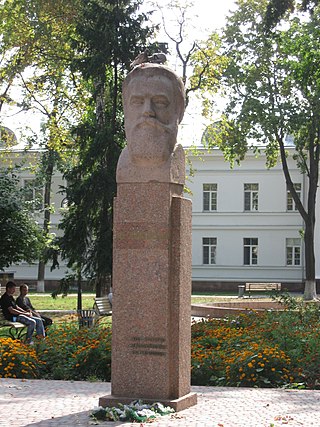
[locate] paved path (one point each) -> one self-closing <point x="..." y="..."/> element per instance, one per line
<point x="40" y="403"/>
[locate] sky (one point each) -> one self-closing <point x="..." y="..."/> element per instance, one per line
<point x="206" y="16"/>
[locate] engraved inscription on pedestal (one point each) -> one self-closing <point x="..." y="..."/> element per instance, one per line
<point x="154" y="346"/>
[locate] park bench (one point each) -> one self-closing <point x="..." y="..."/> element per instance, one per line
<point x="262" y="287"/>
<point x="16" y="330"/>
<point x="102" y="307"/>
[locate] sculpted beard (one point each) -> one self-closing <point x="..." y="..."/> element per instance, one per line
<point x="150" y="142"/>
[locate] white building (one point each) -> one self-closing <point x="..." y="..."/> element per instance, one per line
<point x="245" y="227"/>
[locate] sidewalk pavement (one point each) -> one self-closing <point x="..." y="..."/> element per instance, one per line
<point x="41" y="403"/>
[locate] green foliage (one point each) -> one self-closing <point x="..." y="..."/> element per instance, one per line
<point x="306" y="311"/>
<point x="72" y="354"/>
<point x="265" y="349"/>
<point x="76" y="53"/>
<point x="108" y="31"/>
<point x="37" y="55"/>
<point x="87" y="223"/>
<point x="37" y="36"/>
<point x="229" y="137"/>
<point x="272" y="84"/>
<point x="277" y="9"/>
<point x="21" y="237"/>
<point x="110" y="36"/>
<point x="208" y="66"/>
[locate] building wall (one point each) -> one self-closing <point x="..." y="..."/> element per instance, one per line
<point x="272" y="224"/>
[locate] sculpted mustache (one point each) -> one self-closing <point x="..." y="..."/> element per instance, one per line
<point x="153" y="123"/>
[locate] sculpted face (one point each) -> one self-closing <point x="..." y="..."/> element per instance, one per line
<point x="151" y="119"/>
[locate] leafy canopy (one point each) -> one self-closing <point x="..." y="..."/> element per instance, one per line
<point x="21" y="237"/>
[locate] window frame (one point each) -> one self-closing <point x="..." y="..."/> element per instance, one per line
<point x="293" y="244"/>
<point x="250" y="250"/>
<point x="291" y="206"/>
<point x="251" y="197"/>
<point x="36" y="201"/>
<point x="212" y="197"/>
<point x="211" y="248"/>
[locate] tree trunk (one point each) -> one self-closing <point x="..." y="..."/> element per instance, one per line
<point x="79" y="299"/>
<point x="310" y="291"/>
<point x="98" y="288"/>
<point x="46" y="221"/>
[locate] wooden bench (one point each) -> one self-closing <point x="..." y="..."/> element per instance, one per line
<point x="102" y="307"/>
<point x="16" y="330"/>
<point x="262" y="287"/>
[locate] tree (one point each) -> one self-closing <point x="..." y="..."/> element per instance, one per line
<point x="111" y="34"/>
<point x="273" y="84"/>
<point x="276" y="9"/>
<point x="21" y="237"/>
<point x="54" y="90"/>
<point x="198" y="61"/>
<point x="38" y="59"/>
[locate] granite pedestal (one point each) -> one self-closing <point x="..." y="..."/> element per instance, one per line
<point x="151" y="333"/>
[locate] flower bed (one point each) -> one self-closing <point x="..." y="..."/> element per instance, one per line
<point x="259" y="349"/>
<point x="262" y="349"/>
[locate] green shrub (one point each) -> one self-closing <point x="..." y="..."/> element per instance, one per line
<point x="72" y="354"/>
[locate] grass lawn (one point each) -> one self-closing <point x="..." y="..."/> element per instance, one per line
<point x="69" y="302"/>
<point x="46" y="302"/>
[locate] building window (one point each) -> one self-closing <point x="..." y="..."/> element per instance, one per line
<point x="291" y="206"/>
<point x="293" y="247"/>
<point x="210" y="197"/>
<point x="33" y="194"/>
<point x="209" y="245"/>
<point x="250" y="251"/>
<point x="251" y="197"/>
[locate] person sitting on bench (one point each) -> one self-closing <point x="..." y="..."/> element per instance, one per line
<point x="14" y="313"/>
<point x="23" y="301"/>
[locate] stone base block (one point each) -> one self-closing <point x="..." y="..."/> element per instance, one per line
<point x="179" y="404"/>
